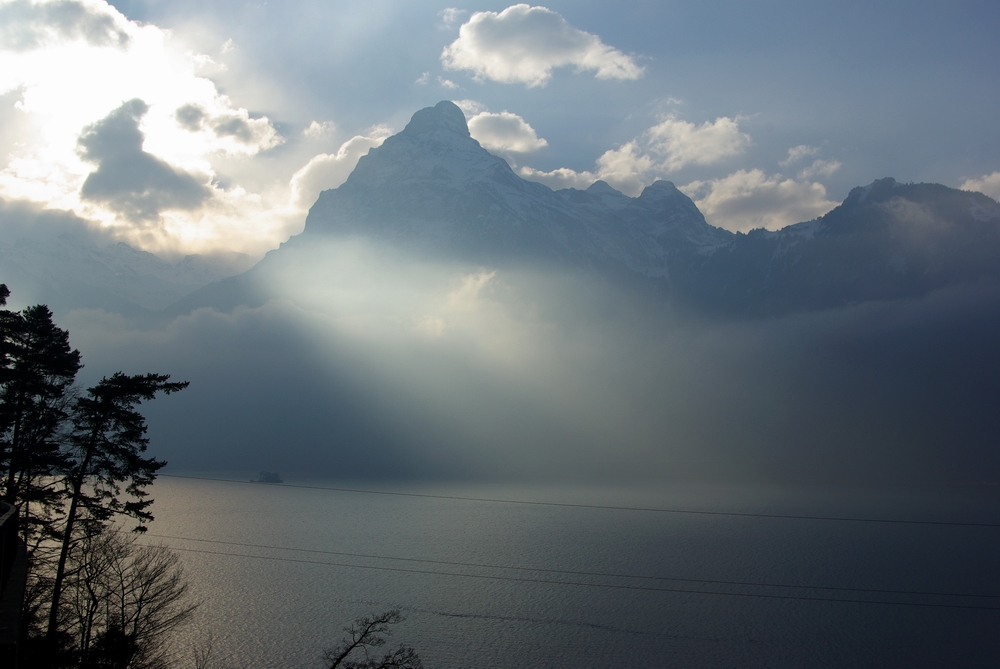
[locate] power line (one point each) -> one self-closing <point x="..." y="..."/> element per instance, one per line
<point x="581" y="573"/>
<point x="614" y="586"/>
<point x="736" y="514"/>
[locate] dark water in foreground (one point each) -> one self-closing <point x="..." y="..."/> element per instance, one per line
<point x="280" y="608"/>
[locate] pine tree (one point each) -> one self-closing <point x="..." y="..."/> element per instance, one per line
<point x="37" y="369"/>
<point x="107" y="449"/>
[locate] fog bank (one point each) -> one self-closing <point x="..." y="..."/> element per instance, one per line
<point x="367" y="364"/>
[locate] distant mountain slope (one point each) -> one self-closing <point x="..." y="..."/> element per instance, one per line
<point x="434" y="192"/>
<point x="69" y="271"/>
<point x="886" y="241"/>
<point x="434" y="188"/>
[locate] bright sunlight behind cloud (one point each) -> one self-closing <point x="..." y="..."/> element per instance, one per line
<point x="144" y="168"/>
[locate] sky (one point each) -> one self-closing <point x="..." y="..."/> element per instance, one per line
<point x="204" y="127"/>
<point x="193" y="127"/>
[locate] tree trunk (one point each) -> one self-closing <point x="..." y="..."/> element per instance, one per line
<point x="67" y="540"/>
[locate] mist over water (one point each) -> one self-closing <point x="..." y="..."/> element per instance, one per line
<point x="374" y="363"/>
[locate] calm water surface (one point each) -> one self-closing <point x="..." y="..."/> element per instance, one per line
<point x="277" y="594"/>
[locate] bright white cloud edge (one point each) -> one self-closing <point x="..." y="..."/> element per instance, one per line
<point x="524" y="44"/>
<point x="69" y="80"/>
<point x="988" y="184"/>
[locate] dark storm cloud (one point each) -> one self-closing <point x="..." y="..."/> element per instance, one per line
<point x="233" y="126"/>
<point x="128" y="180"/>
<point x="26" y="25"/>
<point x="190" y="117"/>
<point x="193" y="117"/>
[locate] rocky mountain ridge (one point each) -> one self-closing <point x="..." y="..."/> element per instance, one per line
<point x="432" y="191"/>
<point x="433" y="188"/>
<point x="886" y="241"/>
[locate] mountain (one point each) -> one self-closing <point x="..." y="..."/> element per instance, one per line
<point x="886" y="241"/>
<point x="433" y="188"/>
<point x="433" y="191"/>
<point x="69" y="270"/>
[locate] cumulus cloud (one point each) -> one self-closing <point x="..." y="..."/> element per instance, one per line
<point x="523" y="44"/>
<point x="750" y="199"/>
<point x="797" y="153"/>
<point x="28" y="25"/>
<point x="129" y="181"/>
<point x="447" y="83"/>
<point x="681" y="143"/>
<point x="251" y="135"/>
<point x="988" y="184"/>
<point x="664" y="148"/>
<point x="69" y="81"/>
<point x="505" y="133"/>
<point x="328" y="170"/>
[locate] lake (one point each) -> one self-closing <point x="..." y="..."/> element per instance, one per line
<point x="281" y="569"/>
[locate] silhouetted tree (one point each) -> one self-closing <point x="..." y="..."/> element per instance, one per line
<point x="37" y="368"/>
<point x="72" y="464"/>
<point x="123" y="599"/>
<point x="369" y="633"/>
<point x="106" y="452"/>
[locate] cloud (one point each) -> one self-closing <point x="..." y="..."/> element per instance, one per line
<point x="70" y="83"/>
<point x="23" y="218"/>
<point x="797" y="153"/>
<point x="317" y="130"/>
<point x="626" y="168"/>
<point x="327" y="171"/>
<point x="750" y="199"/>
<point x="523" y="44"/>
<point x="563" y="177"/>
<point x="447" y="83"/>
<point x="505" y="133"/>
<point x="449" y="17"/>
<point x="680" y="143"/>
<point x="26" y="25"/>
<point x="129" y="181"/>
<point x="663" y="149"/>
<point x="423" y="79"/>
<point x="190" y="117"/>
<point x="819" y="168"/>
<point x="470" y="107"/>
<point x="253" y="134"/>
<point x="988" y="184"/>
